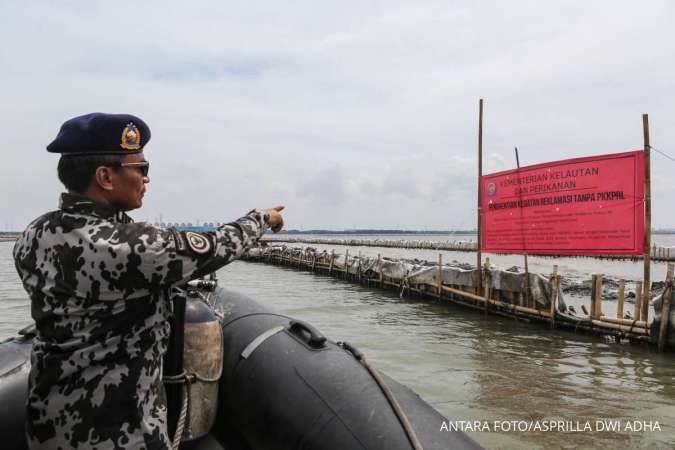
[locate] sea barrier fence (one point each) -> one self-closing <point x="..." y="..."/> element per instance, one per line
<point x="658" y="253"/>
<point x="523" y="296"/>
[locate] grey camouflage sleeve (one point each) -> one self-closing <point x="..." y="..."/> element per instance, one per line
<point x="170" y="257"/>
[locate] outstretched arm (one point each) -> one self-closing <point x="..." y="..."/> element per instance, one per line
<point x="141" y="257"/>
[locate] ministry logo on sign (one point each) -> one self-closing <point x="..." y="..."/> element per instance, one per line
<point x="491" y="189"/>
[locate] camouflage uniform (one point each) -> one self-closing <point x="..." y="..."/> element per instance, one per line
<point x="99" y="286"/>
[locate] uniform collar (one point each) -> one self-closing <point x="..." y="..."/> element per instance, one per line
<point x="78" y="204"/>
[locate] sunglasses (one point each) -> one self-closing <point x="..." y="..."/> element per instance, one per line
<point x="143" y="167"/>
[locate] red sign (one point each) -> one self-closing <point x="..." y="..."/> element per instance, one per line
<point x="582" y="206"/>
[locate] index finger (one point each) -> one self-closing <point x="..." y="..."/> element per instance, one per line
<point x="278" y="208"/>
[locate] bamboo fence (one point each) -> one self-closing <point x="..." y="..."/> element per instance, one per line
<point x="491" y="301"/>
<point x="657" y="253"/>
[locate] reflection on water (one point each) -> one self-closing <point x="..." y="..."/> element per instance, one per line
<point x="470" y="367"/>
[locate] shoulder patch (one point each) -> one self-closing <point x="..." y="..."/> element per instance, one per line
<point x="198" y="242"/>
<point x="191" y="243"/>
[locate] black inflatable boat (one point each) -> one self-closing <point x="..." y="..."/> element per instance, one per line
<point x="283" y="386"/>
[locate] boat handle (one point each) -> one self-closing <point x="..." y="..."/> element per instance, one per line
<point x="316" y="339"/>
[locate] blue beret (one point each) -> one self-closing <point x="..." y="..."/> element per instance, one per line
<point x="101" y="134"/>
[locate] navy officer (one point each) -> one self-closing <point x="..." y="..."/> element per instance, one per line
<point x="99" y="286"/>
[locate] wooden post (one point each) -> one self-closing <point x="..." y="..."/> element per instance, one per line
<point x="332" y="259"/>
<point x="440" y="275"/>
<point x="480" y="174"/>
<point x="594" y="287"/>
<point x="622" y="297"/>
<point x="358" y="267"/>
<point x="648" y="221"/>
<point x="638" y="300"/>
<point x="598" y="297"/>
<point x="522" y="233"/>
<point x="347" y="264"/>
<point x="488" y="284"/>
<point x="379" y="261"/>
<point x="554" y="294"/>
<point x="666" y="303"/>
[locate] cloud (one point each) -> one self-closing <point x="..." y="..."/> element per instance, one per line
<point x="325" y="187"/>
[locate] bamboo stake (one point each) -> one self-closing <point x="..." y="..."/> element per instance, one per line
<point x="488" y="284"/>
<point x="638" y="300"/>
<point x="358" y="267"/>
<point x="522" y="233"/>
<point x="380" y="265"/>
<point x="666" y="303"/>
<point x="440" y="275"/>
<point x="554" y="294"/>
<point x="619" y="308"/>
<point x="598" y="297"/>
<point x="347" y="264"/>
<point x="594" y="287"/>
<point x="648" y="220"/>
<point x="332" y="260"/>
<point x="480" y="174"/>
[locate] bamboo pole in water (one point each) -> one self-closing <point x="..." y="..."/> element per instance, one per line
<point x="358" y="267"/>
<point x="594" y="286"/>
<point x="598" y="297"/>
<point x="638" y="300"/>
<point x="625" y="328"/>
<point x="554" y="294"/>
<point x="522" y="233"/>
<point x="440" y="275"/>
<point x="629" y="322"/>
<point x="346" y="263"/>
<point x="622" y="295"/>
<point x="479" y="299"/>
<point x="648" y="221"/>
<point x="666" y="303"/>
<point x="480" y="174"/>
<point x="488" y="284"/>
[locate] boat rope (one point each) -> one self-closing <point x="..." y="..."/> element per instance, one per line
<point x="185" y="379"/>
<point x="398" y="411"/>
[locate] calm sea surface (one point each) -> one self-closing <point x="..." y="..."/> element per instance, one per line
<point x="468" y="366"/>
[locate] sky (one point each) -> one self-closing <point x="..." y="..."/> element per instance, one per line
<point x="352" y="114"/>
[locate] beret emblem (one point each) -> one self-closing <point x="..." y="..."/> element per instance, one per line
<point x="131" y="137"/>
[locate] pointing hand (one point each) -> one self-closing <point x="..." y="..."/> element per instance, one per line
<point x="274" y="219"/>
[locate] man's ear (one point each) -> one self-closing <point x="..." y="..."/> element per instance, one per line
<point x="104" y="177"/>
